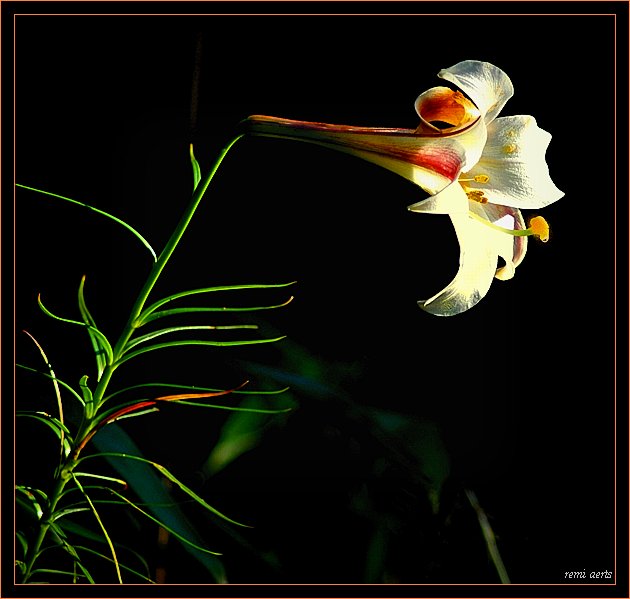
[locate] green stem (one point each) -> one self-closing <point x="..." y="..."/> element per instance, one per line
<point x="44" y="525"/>
<point x="156" y="271"/>
<point x="488" y="535"/>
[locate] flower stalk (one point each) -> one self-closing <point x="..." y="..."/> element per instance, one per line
<point x="163" y="258"/>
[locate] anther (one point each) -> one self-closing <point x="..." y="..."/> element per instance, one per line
<point x="540" y="228"/>
<point x="510" y="148"/>
<point x="476" y="195"/>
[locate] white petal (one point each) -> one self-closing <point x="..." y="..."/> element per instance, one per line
<point x="486" y="85"/>
<point x="450" y="200"/>
<point x="514" y="161"/>
<point x="477" y="266"/>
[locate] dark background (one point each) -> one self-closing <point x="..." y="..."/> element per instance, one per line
<point x="519" y="391"/>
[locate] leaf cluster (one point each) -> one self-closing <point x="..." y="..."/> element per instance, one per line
<point x="68" y="525"/>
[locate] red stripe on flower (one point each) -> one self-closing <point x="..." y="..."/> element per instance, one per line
<point x="428" y="151"/>
<point x="443" y="161"/>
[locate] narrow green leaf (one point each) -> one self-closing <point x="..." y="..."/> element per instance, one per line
<point x="54" y="378"/>
<point x="138" y="413"/>
<point x="100" y="352"/>
<point x="106" y="489"/>
<point x="153" y="307"/>
<point x="54" y="571"/>
<point x="159" y="333"/>
<point x="144" y="577"/>
<point x="162" y="470"/>
<point x="67" y="511"/>
<point x="29" y="502"/>
<point x="104" y="417"/>
<point x="55" y="425"/>
<point x="110" y="479"/>
<point x="138" y="352"/>
<point x="61" y="537"/>
<point x="235" y="409"/>
<point x="146" y="483"/>
<point x="33" y="491"/>
<point x="103" y="213"/>
<point x="100" y="522"/>
<point x="55" y="387"/>
<point x="87" y="396"/>
<point x="49" y="420"/>
<point x="194" y="388"/>
<point x="195" y="168"/>
<point x="81" y="507"/>
<point x="150" y="517"/>
<point x="22" y="541"/>
<point x="49" y="313"/>
<point x="78" y="530"/>
<point x="106" y="345"/>
<point x="86" y="573"/>
<point x="194" y="496"/>
<point x="192" y="310"/>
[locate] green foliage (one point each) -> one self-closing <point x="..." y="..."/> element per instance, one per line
<point x="241" y="433"/>
<point x="101" y="212"/>
<point x="65" y="533"/>
<point x="153" y="494"/>
<point x="100" y="345"/>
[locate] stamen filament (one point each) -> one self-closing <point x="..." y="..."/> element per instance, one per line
<point x="476" y="179"/>
<point x="538" y="230"/>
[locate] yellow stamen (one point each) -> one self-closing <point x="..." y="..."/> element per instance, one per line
<point x="510" y="148"/>
<point x="538" y="227"/>
<point x="476" y="195"/>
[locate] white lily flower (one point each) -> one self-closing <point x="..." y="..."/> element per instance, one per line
<point x="479" y="169"/>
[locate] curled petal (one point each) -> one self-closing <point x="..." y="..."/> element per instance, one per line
<point x="459" y="118"/>
<point x="443" y="105"/>
<point x="477" y="266"/>
<point x="430" y="161"/>
<point x="514" y="162"/>
<point x="486" y="85"/>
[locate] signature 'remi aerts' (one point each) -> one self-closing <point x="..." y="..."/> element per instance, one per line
<point x="479" y="169"/>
